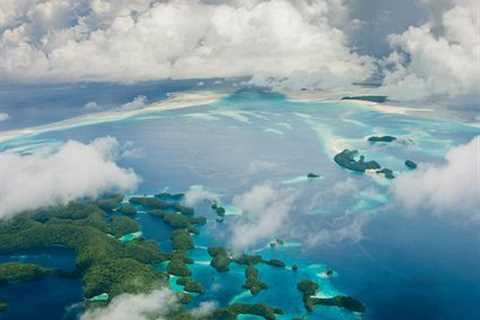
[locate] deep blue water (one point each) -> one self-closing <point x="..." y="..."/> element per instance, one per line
<point x="404" y="267"/>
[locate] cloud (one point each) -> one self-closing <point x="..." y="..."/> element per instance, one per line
<point x="138" y="102"/>
<point x="287" y="42"/>
<point x="155" y="306"/>
<point x="196" y="194"/>
<point x="73" y="171"/>
<point x="347" y="228"/>
<point x="452" y="187"/>
<point x="203" y="310"/>
<point x="266" y="210"/>
<point x="4" y="116"/>
<point x="439" y="58"/>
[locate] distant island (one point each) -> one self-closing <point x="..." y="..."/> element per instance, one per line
<point x="346" y="159"/>
<point x="377" y="99"/>
<point x="385" y="139"/>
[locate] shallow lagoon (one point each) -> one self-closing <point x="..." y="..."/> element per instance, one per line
<point x="403" y="267"/>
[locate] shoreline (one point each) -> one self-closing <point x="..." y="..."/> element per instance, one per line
<point x="174" y="101"/>
<point x="309" y="97"/>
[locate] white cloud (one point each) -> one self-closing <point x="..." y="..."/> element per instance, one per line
<point x="155" y="306"/>
<point x="138" y="102"/>
<point x="4" y="116"/>
<point x="265" y="211"/>
<point x="345" y="228"/>
<point x="438" y="58"/>
<point x="73" y="171"/>
<point x="453" y="187"/>
<point x="107" y="40"/>
<point x="196" y="194"/>
<point x="203" y="310"/>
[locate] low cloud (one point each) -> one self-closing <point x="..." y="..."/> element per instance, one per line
<point x="156" y="305"/>
<point x="449" y="188"/>
<point x="138" y="102"/>
<point x="196" y="194"/>
<point x="287" y="42"/>
<point x="439" y="58"/>
<point x="4" y="116"/>
<point x="266" y="210"/>
<point x="72" y="171"/>
<point x="348" y="228"/>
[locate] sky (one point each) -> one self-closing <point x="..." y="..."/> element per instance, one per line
<point x="416" y="49"/>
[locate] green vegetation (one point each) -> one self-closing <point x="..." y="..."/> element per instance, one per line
<point x="110" y="202"/>
<point x="276" y="263"/>
<point x="119" y="276"/>
<point x="377" y="99"/>
<point x="16" y="272"/>
<point x="181" y="240"/>
<point x="158" y="203"/>
<point x="127" y="209"/>
<point x="178" y="265"/>
<point x="261" y="310"/>
<point x="386" y="139"/>
<point x="104" y="264"/>
<point x="3" y="306"/>
<point x="411" y="165"/>
<point x="346" y="159"/>
<point x="387" y="173"/>
<point x="248" y="259"/>
<point x="178" y="220"/>
<point x="190" y="285"/>
<point x="169" y="197"/>
<point x="122" y="225"/>
<point x="252" y="282"/>
<point x="349" y="303"/>
<point x="219" y="210"/>
<point x="221" y="259"/>
<point x="183" y="298"/>
<point x="309" y="289"/>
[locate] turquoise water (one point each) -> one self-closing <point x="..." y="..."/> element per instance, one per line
<point x="419" y="267"/>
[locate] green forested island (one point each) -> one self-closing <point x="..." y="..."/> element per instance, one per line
<point x="109" y="264"/>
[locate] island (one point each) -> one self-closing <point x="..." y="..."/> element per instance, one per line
<point x="252" y="281"/>
<point x="275" y="263"/>
<point x="112" y="257"/>
<point x="221" y="259"/>
<point x="11" y="272"/>
<point x="127" y="209"/>
<point x="178" y="220"/>
<point x="309" y="289"/>
<point x="190" y="285"/>
<point x="312" y="175"/>
<point x="376" y="99"/>
<point x="411" y="165"/>
<point x="219" y="210"/>
<point x="346" y="159"/>
<point x="110" y="202"/>
<point x="385" y="139"/>
<point x="387" y="173"/>
<point x="236" y="309"/>
<point x="105" y="264"/>
<point x="122" y="225"/>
